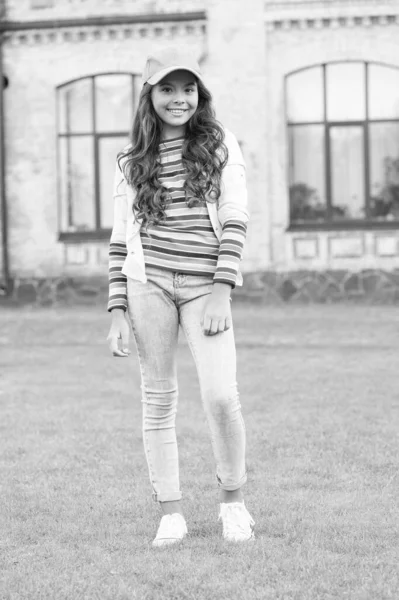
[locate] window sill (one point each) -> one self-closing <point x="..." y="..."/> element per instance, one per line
<point x="85" y="236"/>
<point x="344" y="226"/>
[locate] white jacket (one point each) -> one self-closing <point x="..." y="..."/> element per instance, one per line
<point x="232" y="204"/>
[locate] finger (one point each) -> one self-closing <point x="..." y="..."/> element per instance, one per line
<point x="125" y="342"/>
<point x="228" y="323"/>
<point x="207" y="325"/>
<point x="113" y="344"/>
<point x="120" y="353"/>
<point x="114" y="347"/>
<point x="222" y="325"/>
<point x="214" y="329"/>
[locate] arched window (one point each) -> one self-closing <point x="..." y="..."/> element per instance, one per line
<point x="343" y="132"/>
<point x="95" y="116"/>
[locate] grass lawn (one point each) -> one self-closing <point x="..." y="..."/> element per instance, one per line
<point x="320" y="395"/>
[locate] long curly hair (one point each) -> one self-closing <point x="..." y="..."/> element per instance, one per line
<point x="204" y="156"/>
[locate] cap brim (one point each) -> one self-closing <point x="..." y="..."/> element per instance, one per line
<point x="161" y="74"/>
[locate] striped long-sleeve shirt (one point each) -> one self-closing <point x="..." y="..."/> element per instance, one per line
<point x="185" y="242"/>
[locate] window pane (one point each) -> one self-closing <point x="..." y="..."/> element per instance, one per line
<point x="75" y="107"/>
<point x="108" y="151"/>
<point x="305" y="96"/>
<point x="77" y="183"/>
<point x="347" y="172"/>
<point x="383" y="92"/>
<point x="307" y="174"/>
<point x="114" y="103"/>
<point x="346" y="99"/>
<point x="384" y="170"/>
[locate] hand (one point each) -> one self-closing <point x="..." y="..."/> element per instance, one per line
<point x="216" y="317"/>
<point x="118" y="337"/>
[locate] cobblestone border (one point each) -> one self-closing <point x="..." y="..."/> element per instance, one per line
<point x="372" y="286"/>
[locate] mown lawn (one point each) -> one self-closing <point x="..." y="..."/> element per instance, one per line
<point x="320" y="395"/>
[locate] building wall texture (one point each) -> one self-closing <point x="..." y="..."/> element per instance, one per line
<point x="246" y="49"/>
<point x="287" y="51"/>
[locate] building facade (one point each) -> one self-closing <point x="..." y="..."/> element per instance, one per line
<point x="310" y="88"/>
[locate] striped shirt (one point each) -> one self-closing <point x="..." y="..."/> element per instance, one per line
<point x="185" y="241"/>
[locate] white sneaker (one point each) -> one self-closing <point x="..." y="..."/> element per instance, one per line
<point x="171" y="530"/>
<point x="237" y="522"/>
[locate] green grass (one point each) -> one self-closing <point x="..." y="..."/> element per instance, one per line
<point x="320" y="397"/>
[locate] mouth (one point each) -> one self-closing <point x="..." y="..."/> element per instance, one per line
<point x="177" y="112"/>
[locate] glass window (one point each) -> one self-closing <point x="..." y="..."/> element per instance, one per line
<point x="346" y="92"/>
<point x="109" y="147"/>
<point x="345" y="163"/>
<point x="307" y="185"/>
<point x="347" y="172"/>
<point x="383" y="92"/>
<point x="305" y="96"/>
<point x="114" y="102"/>
<point x="77" y="190"/>
<point x="95" y="117"/>
<point x="76" y="107"/>
<point x="384" y="170"/>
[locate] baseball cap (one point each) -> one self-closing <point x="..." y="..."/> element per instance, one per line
<point x="164" y="61"/>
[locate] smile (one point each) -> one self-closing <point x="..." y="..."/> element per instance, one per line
<point x="177" y="111"/>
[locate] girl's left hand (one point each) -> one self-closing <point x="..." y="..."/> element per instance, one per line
<point x="216" y="317"/>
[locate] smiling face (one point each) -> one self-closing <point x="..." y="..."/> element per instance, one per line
<point x="175" y="100"/>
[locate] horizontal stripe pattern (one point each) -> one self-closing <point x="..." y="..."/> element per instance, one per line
<point x="117" y="280"/>
<point x="230" y="251"/>
<point x="185" y="241"/>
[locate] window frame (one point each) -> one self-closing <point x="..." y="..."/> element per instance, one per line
<point x="99" y="233"/>
<point x="329" y="224"/>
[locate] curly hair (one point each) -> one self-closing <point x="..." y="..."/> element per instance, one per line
<point x="204" y="155"/>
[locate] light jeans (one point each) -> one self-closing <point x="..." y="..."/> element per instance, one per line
<point x="156" y="309"/>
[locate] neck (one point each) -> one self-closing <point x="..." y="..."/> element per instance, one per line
<point x="169" y="133"/>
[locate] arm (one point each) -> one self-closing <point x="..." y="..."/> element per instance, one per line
<point x="233" y="215"/>
<point x="117" y="246"/>
<point x="117" y="303"/>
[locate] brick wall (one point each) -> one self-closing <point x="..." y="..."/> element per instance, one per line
<point x="246" y="54"/>
<point x="37" y="62"/>
<point x="290" y="47"/>
<point x="236" y="70"/>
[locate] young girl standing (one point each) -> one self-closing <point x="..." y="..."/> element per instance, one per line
<point x="180" y="214"/>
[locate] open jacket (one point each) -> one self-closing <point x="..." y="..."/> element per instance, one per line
<point x="232" y="204"/>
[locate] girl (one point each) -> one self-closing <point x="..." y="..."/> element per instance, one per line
<point x="179" y="226"/>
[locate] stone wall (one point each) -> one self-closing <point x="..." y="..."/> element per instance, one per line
<point x="268" y="287"/>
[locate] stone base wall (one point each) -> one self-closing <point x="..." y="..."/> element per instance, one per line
<point x="267" y="287"/>
<point x="373" y="286"/>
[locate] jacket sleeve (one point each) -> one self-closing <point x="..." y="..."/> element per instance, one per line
<point x="233" y="214"/>
<point x="117" y="247"/>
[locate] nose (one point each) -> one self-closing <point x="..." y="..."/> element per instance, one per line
<point x="178" y="99"/>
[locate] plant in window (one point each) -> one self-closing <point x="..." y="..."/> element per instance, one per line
<point x="305" y="203"/>
<point x="385" y="204"/>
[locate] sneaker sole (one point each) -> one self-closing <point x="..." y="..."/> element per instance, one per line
<point x="167" y="542"/>
<point x="250" y="539"/>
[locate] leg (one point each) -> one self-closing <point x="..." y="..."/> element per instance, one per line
<point x="215" y="359"/>
<point x="154" y="320"/>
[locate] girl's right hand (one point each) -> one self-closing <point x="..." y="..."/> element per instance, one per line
<point x="118" y="337"/>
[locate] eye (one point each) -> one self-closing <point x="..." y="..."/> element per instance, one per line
<point x="166" y="88"/>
